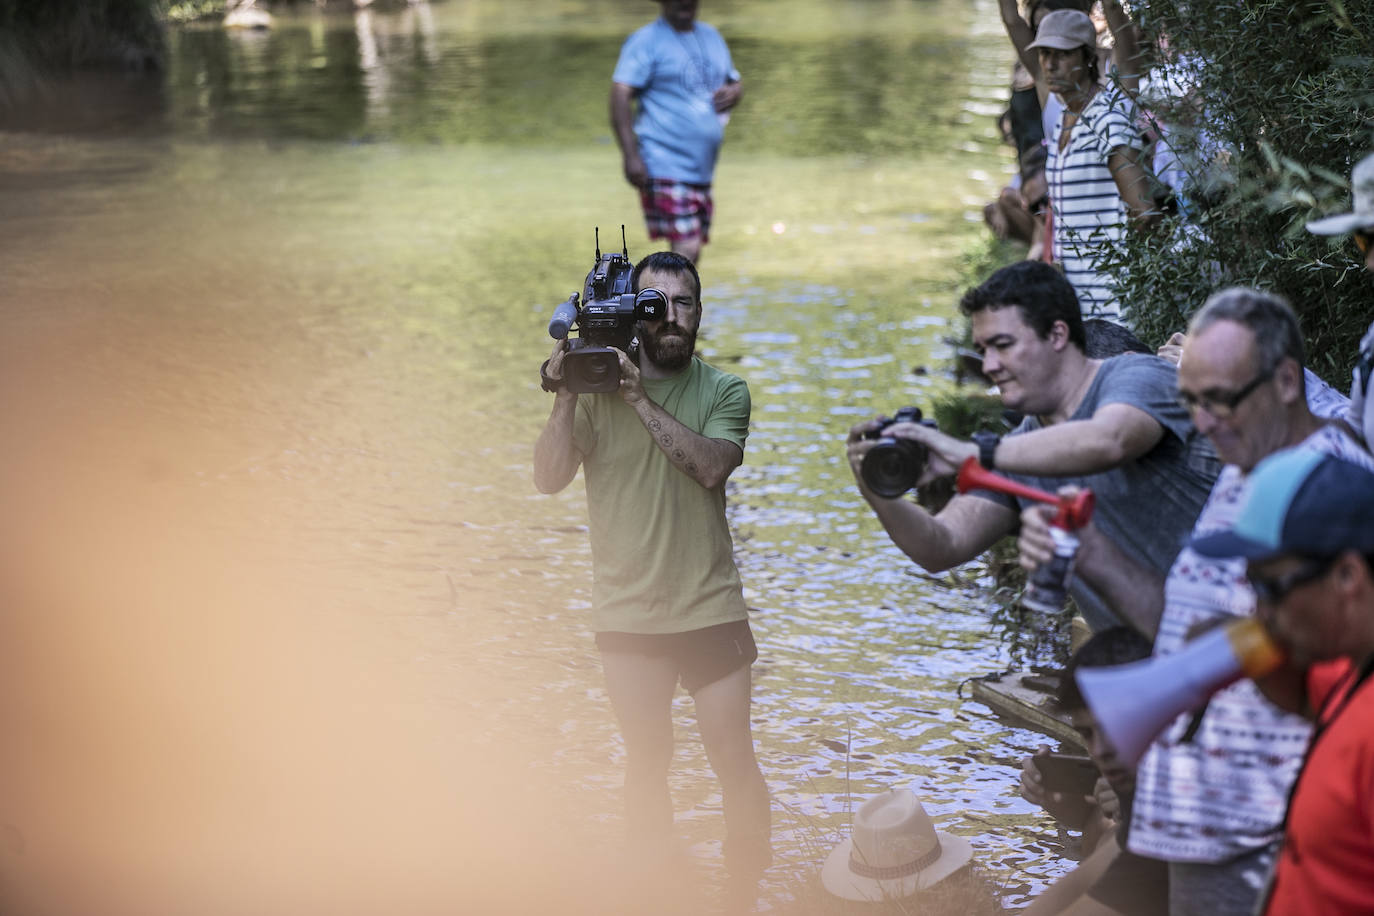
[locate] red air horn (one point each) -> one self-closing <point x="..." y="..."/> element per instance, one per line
<point x="1133" y="703"/>
<point x="1048" y="590"/>
<point x="1074" y="511"/>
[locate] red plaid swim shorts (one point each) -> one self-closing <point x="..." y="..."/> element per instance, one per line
<point x="676" y="211"/>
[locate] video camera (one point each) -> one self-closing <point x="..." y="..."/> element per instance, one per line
<point x="605" y="322"/>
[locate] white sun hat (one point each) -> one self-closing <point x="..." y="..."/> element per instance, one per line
<point x="1361" y="215"/>
<point x="894" y="851"/>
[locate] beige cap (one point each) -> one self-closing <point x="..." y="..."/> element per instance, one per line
<point x="1361" y="215"/>
<point x="1065" y="30"/>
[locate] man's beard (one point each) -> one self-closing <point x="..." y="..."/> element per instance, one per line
<point x="670" y="349"/>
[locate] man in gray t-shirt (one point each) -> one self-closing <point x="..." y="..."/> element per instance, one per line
<point x="1146" y="506"/>
<point x="1112" y="425"/>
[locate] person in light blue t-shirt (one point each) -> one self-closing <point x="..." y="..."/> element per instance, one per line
<point x="681" y="74"/>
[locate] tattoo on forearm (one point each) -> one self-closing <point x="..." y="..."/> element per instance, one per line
<point x="676" y="453"/>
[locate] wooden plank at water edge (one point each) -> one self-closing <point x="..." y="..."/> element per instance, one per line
<point x="1010" y="699"/>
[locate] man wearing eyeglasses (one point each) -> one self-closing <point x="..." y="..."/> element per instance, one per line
<point x="1306" y="534"/>
<point x="1211" y="790"/>
<point x="1359" y="224"/>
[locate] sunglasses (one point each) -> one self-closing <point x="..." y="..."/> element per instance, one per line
<point x="1273" y="589"/>
<point x="1221" y="404"/>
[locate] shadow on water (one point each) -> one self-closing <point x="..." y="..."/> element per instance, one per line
<point x="269" y="394"/>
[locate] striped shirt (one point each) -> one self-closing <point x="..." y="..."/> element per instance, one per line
<point x="1223" y="793"/>
<point x="1089" y="214"/>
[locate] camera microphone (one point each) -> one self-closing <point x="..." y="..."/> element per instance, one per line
<point x="563" y="317"/>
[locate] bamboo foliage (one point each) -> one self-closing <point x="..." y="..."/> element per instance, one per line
<point x="1280" y="109"/>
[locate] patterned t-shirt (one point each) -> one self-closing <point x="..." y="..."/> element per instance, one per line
<point x="1089" y="214"/>
<point x="1222" y="793"/>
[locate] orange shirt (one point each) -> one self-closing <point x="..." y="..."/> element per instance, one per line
<point x="1326" y="865"/>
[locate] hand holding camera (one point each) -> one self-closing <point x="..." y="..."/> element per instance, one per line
<point x="605" y="318"/>
<point x="893" y="463"/>
<point x="891" y="455"/>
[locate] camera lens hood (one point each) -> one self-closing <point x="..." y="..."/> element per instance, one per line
<point x="592" y="370"/>
<point x="892" y="466"/>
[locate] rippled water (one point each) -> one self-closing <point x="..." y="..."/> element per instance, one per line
<point x="271" y="333"/>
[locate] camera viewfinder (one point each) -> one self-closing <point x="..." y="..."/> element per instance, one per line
<point x="651" y="304"/>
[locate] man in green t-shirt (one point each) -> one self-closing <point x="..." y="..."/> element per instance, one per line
<point x="667" y="605"/>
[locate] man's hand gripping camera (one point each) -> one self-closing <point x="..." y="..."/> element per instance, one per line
<point x="605" y="320"/>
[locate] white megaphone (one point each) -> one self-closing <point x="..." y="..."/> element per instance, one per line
<point x="1134" y="702"/>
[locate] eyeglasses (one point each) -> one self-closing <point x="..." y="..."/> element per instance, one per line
<point x="1273" y="589"/>
<point x="1362" y="239"/>
<point x="1221" y="404"/>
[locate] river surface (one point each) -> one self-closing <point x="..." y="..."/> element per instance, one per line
<point x="287" y="628"/>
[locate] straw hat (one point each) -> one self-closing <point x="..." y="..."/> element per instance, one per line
<point x="894" y="852"/>
<point x="1362" y="209"/>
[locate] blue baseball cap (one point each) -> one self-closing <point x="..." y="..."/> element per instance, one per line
<point x="1299" y="501"/>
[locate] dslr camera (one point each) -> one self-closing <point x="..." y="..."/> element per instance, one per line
<point x="893" y="465"/>
<point x="605" y="319"/>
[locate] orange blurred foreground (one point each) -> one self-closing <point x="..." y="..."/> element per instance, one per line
<point x="193" y="724"/>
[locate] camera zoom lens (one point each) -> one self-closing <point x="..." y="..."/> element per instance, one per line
<point x="892" y="466"/>
<point x="592" y="371"/>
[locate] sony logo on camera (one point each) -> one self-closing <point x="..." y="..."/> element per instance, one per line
<point x="605" y="322"/>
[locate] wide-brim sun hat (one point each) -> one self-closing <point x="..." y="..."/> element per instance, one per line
<point x="1361" y="215"/>
<point x="1064" y="30"/>
<point x="893" y="851"/>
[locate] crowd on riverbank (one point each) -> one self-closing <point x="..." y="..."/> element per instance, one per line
<point x="1214" y="482"/>
<point x="1217" y="798"/>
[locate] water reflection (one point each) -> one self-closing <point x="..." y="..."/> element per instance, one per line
<point x="269" y="399"/>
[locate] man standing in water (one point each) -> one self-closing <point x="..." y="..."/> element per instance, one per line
<point x="681" y="73"/>
<point x="667" y="604"/>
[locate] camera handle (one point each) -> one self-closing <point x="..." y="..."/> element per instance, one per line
<point x="546" y="381"/>
<point x="1074" y="511"/>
